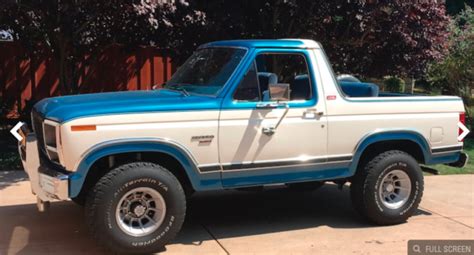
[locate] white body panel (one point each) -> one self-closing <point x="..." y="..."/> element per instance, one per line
<point x="351" y="119"/>
<point x="242" y="141"/>
<point x="179" y="128"/>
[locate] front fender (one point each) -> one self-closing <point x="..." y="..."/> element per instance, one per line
<point x="198" y="180"/>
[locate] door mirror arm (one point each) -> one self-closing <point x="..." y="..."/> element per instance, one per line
<point x="272" y="129"/>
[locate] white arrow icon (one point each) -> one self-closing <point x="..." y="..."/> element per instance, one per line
<point x="14" y="131"/>
<point x="464" y="133"/>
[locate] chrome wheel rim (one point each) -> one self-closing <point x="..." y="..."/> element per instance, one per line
<point x="395" y="189"/>
<point x="140" y="211"/>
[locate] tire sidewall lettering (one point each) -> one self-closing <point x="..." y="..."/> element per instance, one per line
<point x="147" y="181"/>
<point x="156" y="238"/>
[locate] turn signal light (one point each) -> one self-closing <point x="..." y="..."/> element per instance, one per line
<point x="462" y="119"/>
<point x="84" y="128"/>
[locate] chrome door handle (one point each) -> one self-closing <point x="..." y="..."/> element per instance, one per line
<point x="312" y="113"/>
<point x="268" y="130"/>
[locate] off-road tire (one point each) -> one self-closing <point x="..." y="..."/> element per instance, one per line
<point x="365" y="188"/>
<point x="102" y="201"/>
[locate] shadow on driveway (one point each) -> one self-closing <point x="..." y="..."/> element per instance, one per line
<point x="223" y="214"/>
<point x="240" y="213"/>
<point x="9" y="178"/>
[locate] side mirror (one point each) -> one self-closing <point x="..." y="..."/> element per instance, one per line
<point x="279" y="91"/>
<point x="158" y="86"/>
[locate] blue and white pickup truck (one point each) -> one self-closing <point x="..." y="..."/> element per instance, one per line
<point x="236" y="114"/>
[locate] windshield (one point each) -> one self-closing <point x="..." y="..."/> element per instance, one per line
<point x="206" y="71"/>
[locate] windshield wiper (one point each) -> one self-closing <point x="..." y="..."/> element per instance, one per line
<point x="178" y="88"/>
<point x="182" y="90"/>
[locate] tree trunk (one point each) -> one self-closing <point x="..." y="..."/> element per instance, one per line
<point x="62" y="65"/>
<point x="67" y="71"/>
<point x="410" y="85"/>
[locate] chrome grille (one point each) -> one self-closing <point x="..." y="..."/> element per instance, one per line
<point x="46" y="136"/>
<point x="37" y="123"/>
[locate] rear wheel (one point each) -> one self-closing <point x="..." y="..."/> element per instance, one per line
<point x="136" y="208"/>
<point x="388" y="189"/>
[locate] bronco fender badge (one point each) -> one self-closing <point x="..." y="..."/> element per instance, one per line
<point x="203" y="138"/>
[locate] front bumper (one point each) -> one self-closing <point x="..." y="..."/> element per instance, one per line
<point x="47" y="183"/>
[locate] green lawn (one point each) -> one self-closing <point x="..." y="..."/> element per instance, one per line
<point x="468" y="169"/>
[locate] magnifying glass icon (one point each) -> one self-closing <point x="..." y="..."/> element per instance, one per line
<point x="416" y="248"/>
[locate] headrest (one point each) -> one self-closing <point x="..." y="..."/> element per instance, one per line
<point x="300" y="88"/>
<point x="359" y="89"/>
<point x="266" y="78"/>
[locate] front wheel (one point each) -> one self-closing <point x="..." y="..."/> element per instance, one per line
<point x="136" y="208"/>
<point x="388" y="189"/>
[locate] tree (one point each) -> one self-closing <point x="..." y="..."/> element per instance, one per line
<point x="454" y="7"/>
<point x="371" y="38"/>
<point x="368" y="38"/>
<point x="72" y="29"/>
<point x="187" y="29"/>
<point x="454" y="75"/>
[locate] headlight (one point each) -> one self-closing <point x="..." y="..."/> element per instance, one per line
<point x="50" y="129"/>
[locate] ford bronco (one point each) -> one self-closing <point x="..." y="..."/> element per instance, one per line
<point x="236" y="114"/>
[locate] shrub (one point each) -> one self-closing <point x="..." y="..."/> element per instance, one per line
<point x="10" y="161"/>
<point x="454" y="75"/>
<point x="394" y="84"/>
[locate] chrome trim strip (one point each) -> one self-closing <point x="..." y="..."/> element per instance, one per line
<point x="209" y="168"/>
<point x="255" y="165"/>
<point x="275" y="168"/>
<point x="285" y="163"/>
<point x="447" y="149"/>
<point x="340" y="158"/>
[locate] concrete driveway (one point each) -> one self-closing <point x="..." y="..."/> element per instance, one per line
<point x="276" y="221"/>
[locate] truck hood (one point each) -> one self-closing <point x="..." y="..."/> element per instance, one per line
<point x="66" y="108"/>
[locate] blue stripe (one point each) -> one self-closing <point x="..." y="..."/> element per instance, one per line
<point x="330" y="171"/>
<point x="243" y="178"/>
<point x="67" y="108"/>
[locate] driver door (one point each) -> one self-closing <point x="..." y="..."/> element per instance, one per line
<point x="250" y="153"/>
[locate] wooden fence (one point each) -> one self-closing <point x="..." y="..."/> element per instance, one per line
<point x="23" y="81"/>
